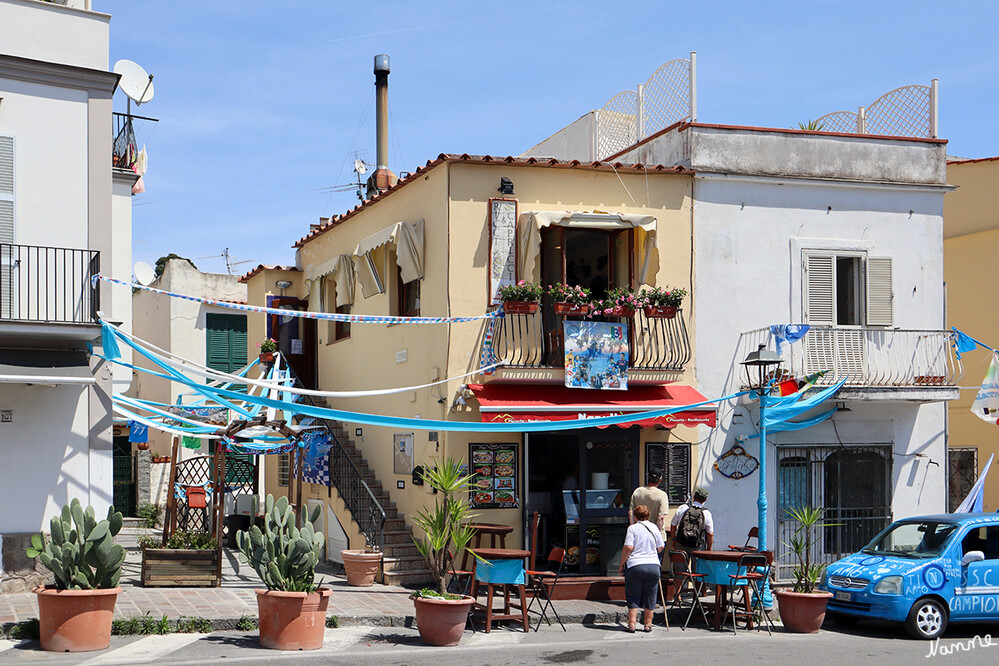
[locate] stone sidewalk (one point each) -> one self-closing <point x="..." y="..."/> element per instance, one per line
<point x="379" y="605"/>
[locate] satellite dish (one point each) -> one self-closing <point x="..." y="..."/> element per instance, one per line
<point x="359" y="167"/>
<point x="135" y="82"/>
<point x="144" y="273"/>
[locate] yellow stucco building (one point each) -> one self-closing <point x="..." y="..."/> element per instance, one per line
<point x="437" y="244"/>
<point x="971" y="244"/>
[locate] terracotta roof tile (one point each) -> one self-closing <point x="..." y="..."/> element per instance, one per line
<point x="262" y="267"/>
<point x="444" y="158"/>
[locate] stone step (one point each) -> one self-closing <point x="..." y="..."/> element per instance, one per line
<point x="404" y="563"/>
<point x="418" y="578"/>
<point x="401" y="550"/>
<point x="395" y="523"/>
<point x="398" y="536"/>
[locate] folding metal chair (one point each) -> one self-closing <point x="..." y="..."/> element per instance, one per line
<point x="681" y="579"/>
<point x="537" y="580"/>
<point x="756" y="568"/>
<point x="754" y="533"/>
<point x="460" y="581"/>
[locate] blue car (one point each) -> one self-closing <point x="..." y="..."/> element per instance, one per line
<point x="925" y="572"/>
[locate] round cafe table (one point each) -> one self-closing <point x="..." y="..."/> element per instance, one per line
<point x="486" y="529"/>
<point x="500" y="570"/>
<point x="718" y="565"/>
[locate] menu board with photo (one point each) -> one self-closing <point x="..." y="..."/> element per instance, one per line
<point x="674" y="460"/>
<point x="495" y="482"/>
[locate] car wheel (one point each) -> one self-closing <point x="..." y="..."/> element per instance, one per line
<point x="842" y="619"/>
<point x="927" y="619"/>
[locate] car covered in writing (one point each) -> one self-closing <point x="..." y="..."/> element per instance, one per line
<point x="925" y="572"/>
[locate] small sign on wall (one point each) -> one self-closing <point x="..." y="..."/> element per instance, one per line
<point x="402" y="458"/>
<point x="6" y="415"/>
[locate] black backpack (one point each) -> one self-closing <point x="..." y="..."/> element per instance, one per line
<point x="691" y="528"/>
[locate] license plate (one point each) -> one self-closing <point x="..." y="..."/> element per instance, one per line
<point x="843" y="596"/>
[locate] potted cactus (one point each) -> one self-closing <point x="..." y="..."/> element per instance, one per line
<point x="292" y="610"/>
<point x="74" y="614"/>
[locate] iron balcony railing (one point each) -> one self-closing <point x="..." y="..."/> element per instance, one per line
<point x="364" y="507"/>
<point x="48" y="284"/>
<point x="125" y="149"/>
<point x="536" y="340"/>
<point x="874" y="357"/>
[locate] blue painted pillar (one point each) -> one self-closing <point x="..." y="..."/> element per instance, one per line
<point x="761" y="501"/>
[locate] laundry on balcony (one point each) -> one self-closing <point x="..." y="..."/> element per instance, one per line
<point x="505" y="403"/>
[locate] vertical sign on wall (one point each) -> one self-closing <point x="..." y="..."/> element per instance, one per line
<point x="502" y="246"/>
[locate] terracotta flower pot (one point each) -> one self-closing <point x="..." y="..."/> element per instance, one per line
<point x="75" y="620"/>
<point x="442" y="621"/>
<point x="266" y="357"/>
<point x="660" y="311"/>
<point x="520" y="307"/>
<point x="361" y="567"/>
<point x="622" y="311"/>
<point x="292" y="620"/>
<point x="570" y="309"/>
<point x="802" y="613"/>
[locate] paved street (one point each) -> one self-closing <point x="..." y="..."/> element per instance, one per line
<point x="591" y="644"/>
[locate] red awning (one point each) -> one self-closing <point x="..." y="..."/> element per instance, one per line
<point x="505" y="403"/>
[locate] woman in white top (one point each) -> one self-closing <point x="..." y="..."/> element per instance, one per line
<point x="640" y="567"/>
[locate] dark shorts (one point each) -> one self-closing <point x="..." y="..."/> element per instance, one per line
<point x="641" y="585"/>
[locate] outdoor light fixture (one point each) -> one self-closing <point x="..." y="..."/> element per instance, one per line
<point x="283" y="284"/>
<point x="506" y="186"/>
<point x="760" y="367"/>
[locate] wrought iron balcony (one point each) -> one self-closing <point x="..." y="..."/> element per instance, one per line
<point x="868" y="357"/>
<point x="48" y="284"/>
<point x="125" y="149"/>
<point x="536" y="340"/>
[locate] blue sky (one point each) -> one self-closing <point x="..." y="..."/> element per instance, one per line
<point x="262" y="104"/>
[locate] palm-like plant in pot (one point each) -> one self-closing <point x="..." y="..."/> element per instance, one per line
<point x="292" y="609"/>
<point x="441" y="616"/>
<point x="75" y="614"/>
<point x="803" y="608"/>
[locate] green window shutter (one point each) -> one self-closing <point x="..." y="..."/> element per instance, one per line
<point x="225" y="343"/>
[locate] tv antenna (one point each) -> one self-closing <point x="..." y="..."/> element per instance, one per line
<point x="360" y="168"/>
<point x="229" y="263"/>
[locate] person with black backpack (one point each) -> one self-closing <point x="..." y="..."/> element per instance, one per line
<point x="692" y="527"/>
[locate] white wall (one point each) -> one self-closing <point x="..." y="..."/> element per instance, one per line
<point x="50" y="162"/>
<point x="49" y="437"/>
<point x="55" y="33"/>
<point x="748" y="238"/>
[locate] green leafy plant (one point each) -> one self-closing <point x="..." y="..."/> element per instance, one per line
<point x="522" y="291"/>
<point x="267" y="346"/>
<point x="246" y="623"/>
<point x="811" y="125"/>
<point x="150" y="514"/>
<point x="446" y="526"/>
<point x="180" y="540"/>
<point x="143" y="625"/>
<point x="283" y="555"/>
<point x="194" y="625"/>
<point x="572" y="294"/>
<point x="662" y="297"/>
<point x="332" y="622"/>
<point x="806" y="574"/>
<point x="27" y="630"/>
<point x="83" y="557"/>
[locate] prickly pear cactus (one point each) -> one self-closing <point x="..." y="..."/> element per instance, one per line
<point x="84" y="556"/>
<point x="283" y="555"/>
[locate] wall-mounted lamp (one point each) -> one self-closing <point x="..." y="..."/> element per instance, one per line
<point x="283" y="284"/>
<point x="506" y="186"/>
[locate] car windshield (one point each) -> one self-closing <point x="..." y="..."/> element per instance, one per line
<point x="916" y="540"/>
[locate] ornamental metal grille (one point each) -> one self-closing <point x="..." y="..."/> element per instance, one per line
<point x="962" y="472"/>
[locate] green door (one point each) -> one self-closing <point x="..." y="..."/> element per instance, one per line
<point x="123" y="476"/>
<point x="225" y="349"/>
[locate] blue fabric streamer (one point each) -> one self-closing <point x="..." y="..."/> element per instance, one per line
<point x="962" y="343"/>
<point x="788" y="333"/>
<point x="108" y="342"/>
<point x="788" y="407"/>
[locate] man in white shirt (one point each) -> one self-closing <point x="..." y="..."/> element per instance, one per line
<point x="697" y="532"/>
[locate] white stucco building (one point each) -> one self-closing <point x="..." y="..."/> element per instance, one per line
<point x="59" y="225"/>
<point x="843" y="232"/>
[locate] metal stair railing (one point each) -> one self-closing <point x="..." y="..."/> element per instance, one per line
<point x="364" y="507"/>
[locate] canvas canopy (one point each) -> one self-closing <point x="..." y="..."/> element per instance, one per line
<point x="342" y="270"/>
<point x="532" y="222"/>
<point x="407" y="239"/>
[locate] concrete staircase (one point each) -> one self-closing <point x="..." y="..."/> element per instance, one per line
<point x="402" y="563"/>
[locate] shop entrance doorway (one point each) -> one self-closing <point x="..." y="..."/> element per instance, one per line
<point x="581" y="483"/>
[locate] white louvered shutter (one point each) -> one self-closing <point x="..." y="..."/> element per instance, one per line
<point x="880" y="294"/>
<point x="6" y="225"/>
<point x="820" y="289"/>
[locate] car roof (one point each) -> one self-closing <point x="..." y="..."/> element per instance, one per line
<point x="959" y="518"/>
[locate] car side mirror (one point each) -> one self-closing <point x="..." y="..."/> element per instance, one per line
<point x="972" y="556"/>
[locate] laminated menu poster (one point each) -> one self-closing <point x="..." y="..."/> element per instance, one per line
<point x="674" y="461"/>
<point x="495" y="480"/>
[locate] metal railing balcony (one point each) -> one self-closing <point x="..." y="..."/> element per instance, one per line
<point x="48" y="284"/>
<point x="868" y="357"/>
<point x="536" y="340"/>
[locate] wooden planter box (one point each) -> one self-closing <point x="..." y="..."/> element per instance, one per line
<point x="169" y="567"/>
